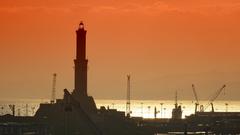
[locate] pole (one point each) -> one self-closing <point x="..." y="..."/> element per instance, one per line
<point x="161" y="109"/>
<point x="142" y="109"/>
<point x="128" y="109"/>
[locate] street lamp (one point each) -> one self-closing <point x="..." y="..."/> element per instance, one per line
<point x="161" y="108"/>
<point x="142" y="108"/>
<point x="164" y="112"/>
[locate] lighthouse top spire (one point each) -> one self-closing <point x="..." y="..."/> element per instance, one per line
<point x="81" y="25"/>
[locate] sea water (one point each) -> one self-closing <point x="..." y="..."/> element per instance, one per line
<point x="139" y="108"/>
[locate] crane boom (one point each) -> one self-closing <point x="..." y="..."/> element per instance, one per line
<point x="217" y="93"/>
<point x="196" y="98"/>
<point x="214" y="97"/>
<point x="195" y="94"/>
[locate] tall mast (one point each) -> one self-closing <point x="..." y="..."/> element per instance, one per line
<point x="176" y="98"/>
<point x="128" y="109"/>
<point x="53" y="98"/>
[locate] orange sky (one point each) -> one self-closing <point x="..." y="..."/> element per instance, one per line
<point x="166" y="45"/>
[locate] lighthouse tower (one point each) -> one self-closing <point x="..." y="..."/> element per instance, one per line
<point x="81" y="62"/>
<point x="80" y="90"/>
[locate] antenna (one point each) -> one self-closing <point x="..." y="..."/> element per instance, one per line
<point x="53" y="97"/>
<point x="128" y="109"/>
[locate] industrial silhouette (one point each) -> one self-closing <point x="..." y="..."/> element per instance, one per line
<point x="77" y="114"/>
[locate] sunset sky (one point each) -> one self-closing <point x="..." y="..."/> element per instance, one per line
<point x="166" y="45"/>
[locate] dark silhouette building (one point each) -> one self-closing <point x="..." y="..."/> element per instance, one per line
<point x="80" y="90"/>
<point x="77" y="114"/>
<point x="81" y="63"/>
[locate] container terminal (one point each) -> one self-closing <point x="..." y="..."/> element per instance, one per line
<point x="76" y="113"/>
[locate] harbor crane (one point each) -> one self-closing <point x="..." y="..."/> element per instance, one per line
<point x="214" y="97"/>
<point x="196" y="98"/>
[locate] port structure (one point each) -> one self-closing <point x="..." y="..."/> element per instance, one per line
<point x="210" y="102"/>
<point x="128" y="103"/>
<point x="54" y="81"/>
<point x="196" y="98"/>
<point x="177" y="111"/>
<point x="214" y="97"/>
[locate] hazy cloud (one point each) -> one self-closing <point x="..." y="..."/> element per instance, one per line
<point x="150" y="7"/>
